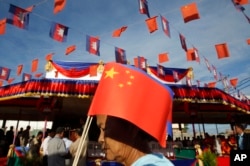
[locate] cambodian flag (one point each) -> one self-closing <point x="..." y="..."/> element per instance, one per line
<point x="26" y="77"/>
<point x="92" y="45"/>
<point x="58" y="32"/>
<point x="120" y="55"/>
<point x="4" y="73"/>
<point x="19" y="17"/>
<point x="143" y="7"/>
<point x="165" y="26"/>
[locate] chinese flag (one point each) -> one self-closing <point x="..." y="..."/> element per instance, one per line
<point x="49" y="56"/>
<point x="38" y="75"/>
<point x="222" y="50"/>
<point x="30" y="9"/>
<point x="211" y="84"/>
<point x="152" y="24"/>
<point x="10" y="80"/>
<point x="191" y="55"/>
<point x="190" y="12"/>
<point x="59" y="5"/>
<point x="133" y="95"/>
<point x="241" y="2"/>
<point x="2" y="26"/>
<point x="34" y="65"/>
<point x="248" y="41"/>
<point x="70" y="49"/>
<point x="163" y="57"/>
<point x="234" y="82"/>
<point x="93" y="70"/>
<point x="19" y="70"/>
<point x="117" y="32"/>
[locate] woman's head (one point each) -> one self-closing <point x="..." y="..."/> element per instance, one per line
<point x="119" y="137"/>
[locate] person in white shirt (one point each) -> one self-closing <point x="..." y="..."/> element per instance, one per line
<point x="44" y="146"/>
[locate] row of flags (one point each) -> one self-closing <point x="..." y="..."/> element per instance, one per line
<point x="59" y="32"/>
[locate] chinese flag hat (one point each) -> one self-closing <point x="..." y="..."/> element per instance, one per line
<point x="129" y="93"/>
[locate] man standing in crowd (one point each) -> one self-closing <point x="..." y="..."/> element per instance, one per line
<point x="243" y="139"/>
<point x="25" y="136"/>
<point x="10" y="135"/>
<point x="75" y="145"/>
<point x="56" y="149"/>
<point x="34" y="149"/>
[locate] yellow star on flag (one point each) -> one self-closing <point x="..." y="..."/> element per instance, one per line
<point x="110" y="73"/>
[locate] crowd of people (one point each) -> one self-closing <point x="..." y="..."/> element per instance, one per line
<point x="47" y="148"/>
<point x="58" y="147"/>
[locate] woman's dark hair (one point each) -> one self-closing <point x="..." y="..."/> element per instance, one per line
<point x="127" y="133"/>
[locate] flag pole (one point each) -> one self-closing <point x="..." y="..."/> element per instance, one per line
<point x="82" y="140"/>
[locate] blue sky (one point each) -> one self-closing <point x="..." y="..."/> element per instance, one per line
<point x="219" y="22"/>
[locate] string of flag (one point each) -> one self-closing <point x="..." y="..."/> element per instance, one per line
<point x="59" y="33"/>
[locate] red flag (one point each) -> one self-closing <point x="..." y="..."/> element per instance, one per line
<point x="70" y="49"/>
<point x="165" y="26"/>
<point x="38" y="75"/>
<point x="92" y="45"/>
<point x="183" y="42"/>
<point x="19" y="17"/>
<point x="49" y="56"/>
<point x="190" y="54"/>
<point x="120" y="55"/>
<point x="30" y="9"/>
<point x="190" y="12"/>
<point x="2" y="26"/>
<point x="152" y="24"/>
<point x="248" y="41"/>
<point x="211" y="84"/>
<point x="163" y="57"/>
<point x="10" y="80"/>
<point x="19" y="70"/>
<point x="4" y="73"/>
<point x="118" y="32"/>
<point x="241" y="2"/>
<point x="59" y="5"/>
<point x="93" y="70"/>
<point x="222" y="50"/>
<point x="143" y="7"/>
<point x="1" y="83"/>
<point x="58" y="32"/>
<point x="234" y="82"/>
<point x="127" y="92"/>
<point x="34" y="65"/>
